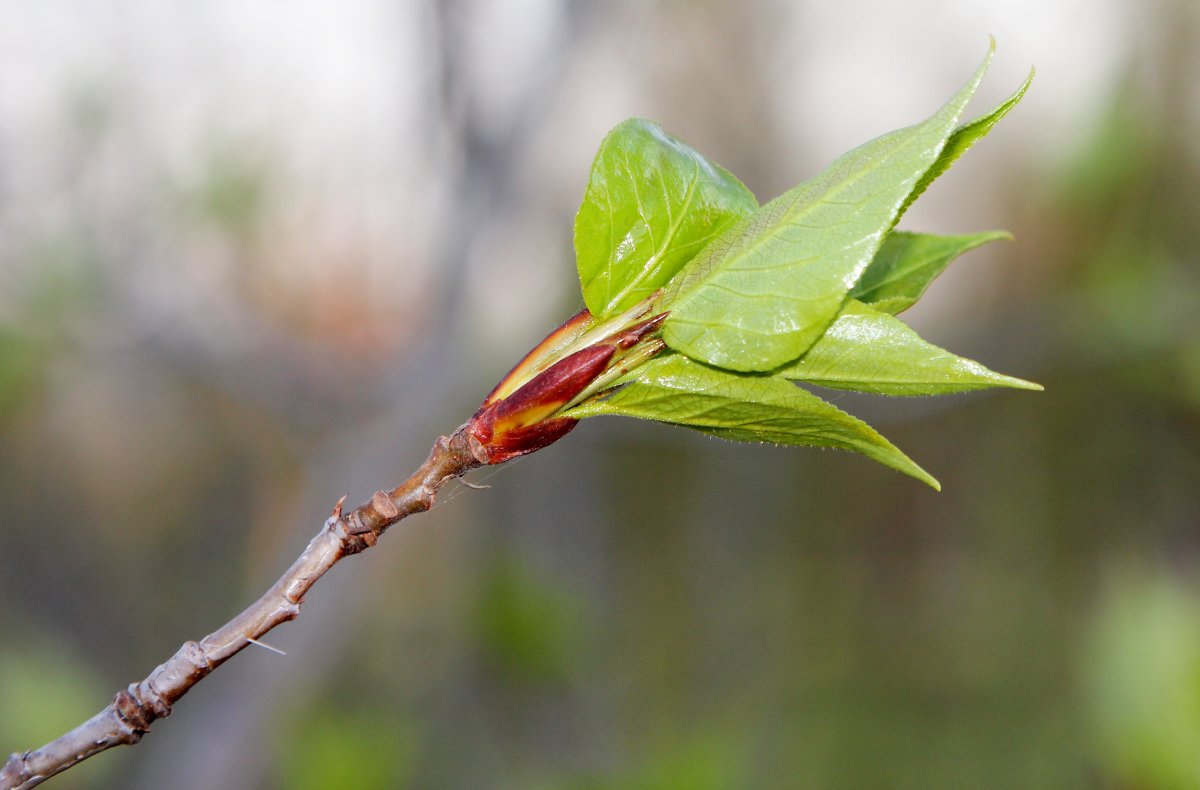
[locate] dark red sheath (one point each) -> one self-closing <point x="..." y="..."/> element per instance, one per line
<point x="568" y="331"/>
<point x="522" y="423"/>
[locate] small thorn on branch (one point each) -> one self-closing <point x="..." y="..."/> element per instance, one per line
<point x="474" y="486"/>
<point x="265" y="646"/>
<point x="337" y="509"/>
<point x="129" y="716"/>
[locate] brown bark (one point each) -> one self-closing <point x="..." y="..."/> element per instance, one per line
<point x="129" y="716"/>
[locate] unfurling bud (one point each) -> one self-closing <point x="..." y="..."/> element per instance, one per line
<point x="530" y="365"/>
<point x="521" y="414"/>
<point x="523" y="422"/>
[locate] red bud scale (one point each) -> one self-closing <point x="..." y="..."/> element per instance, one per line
<point x="517" y="418"/>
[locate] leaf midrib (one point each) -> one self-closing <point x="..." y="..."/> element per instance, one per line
<point x="672" y="232"/>
<point x="788" y="216"/>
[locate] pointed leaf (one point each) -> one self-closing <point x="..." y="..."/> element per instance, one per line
<point x="651" y="204"/>
<point x="763" y="292"/>
<point x="750" y="408"/>
<point x="908" y="262"/>
<point x="870" y="351"/>
<point x="963" y="138"/>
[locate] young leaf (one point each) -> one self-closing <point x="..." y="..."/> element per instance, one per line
<point x="763" y="291"/>
<point x="749" y="408"/>
<point x="870" y="351"/>
<point x="651" y="204"/>
<point x="963" y="138"/>
<point x="908" y="262"/>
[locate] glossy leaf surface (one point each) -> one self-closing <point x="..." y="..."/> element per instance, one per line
<point x="651" y="204"/>
<point x="765" y="290"/>
<point x="963" y="138"/>
<point x="908" y="262"/>
<point x="753" y="408"/>
<point x="870" y="351"/>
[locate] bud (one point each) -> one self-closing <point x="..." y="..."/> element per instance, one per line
<point x="577" y="361"/>
<point x="542" y="353"/>
<point x="523" y="421"/>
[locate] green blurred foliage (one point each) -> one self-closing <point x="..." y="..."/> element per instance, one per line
<point x="45" y="690"/>
<point x="366" y="747"/>
<point x="526" y="626"/>
<point x="1143" y="678"/>
<point x="20" y="366"/>
<point x="51" y="306"/>
<point x="231" y="190"/>
<point x="705" y="762"/>
<point x="1125" y="206"/>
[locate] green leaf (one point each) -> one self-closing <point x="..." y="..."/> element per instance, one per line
<point x="749" y="408"/>
<point x="870" y="351"/>
<point x="908" y="262"/>
<point x="651" y="204"/>
<point x="963" y="138"/>
<point x="763" y="291"/>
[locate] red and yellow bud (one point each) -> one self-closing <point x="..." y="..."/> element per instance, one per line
<point x="576" y="361"/>
<point x="524" y="421"/>
<point x="554" y="342"/>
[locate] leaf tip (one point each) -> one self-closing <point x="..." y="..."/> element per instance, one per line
<point x="1020" y="92"/>
<point x="991" y="52"/>
<point x="969" y="89"/>
<point x="912" y="469"/>
<point x="1002" y="380"/>
<point x="916" y="472"/>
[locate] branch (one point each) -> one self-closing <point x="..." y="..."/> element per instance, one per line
<point x="521" y="415"/>
<point x="129" y="716"/>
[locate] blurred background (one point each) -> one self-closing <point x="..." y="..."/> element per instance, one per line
<point x="257" y="256"/>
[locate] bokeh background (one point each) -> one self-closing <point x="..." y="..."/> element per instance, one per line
<point x="255" y="256"/>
